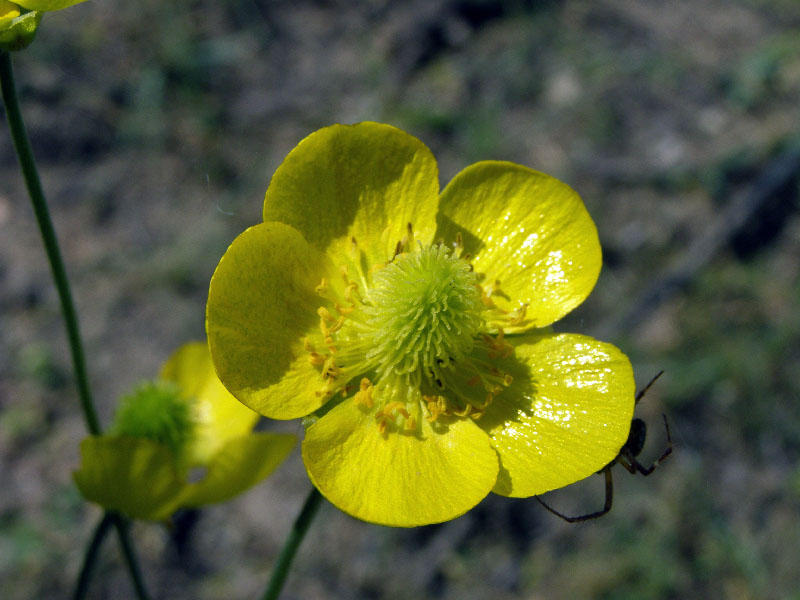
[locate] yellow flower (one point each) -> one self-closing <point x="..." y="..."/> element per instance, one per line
<point x="19" y="20"/>
<point x="416" y="325"/>
<point x="167" y="428"/>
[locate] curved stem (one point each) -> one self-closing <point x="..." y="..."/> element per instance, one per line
<point x="29" y="172"/>
<point x="122" y="524"/>
<point x="34" y="185"/>
<point x="90" y="558"/>
<point x="296" y="535"/>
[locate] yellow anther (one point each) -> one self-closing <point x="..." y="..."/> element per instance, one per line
<point x="316" y="359"/>
<point x="395" y="406"/>
<point x="344" y="310"/>
<point x="459" y="246"/>
<point x="322" y="288"/>
<point x="336" y="326"/>
<point x="463" y="413"/>
<point x="348" y="291"/>
<point x="382" y="425"/>
<point x="364" y="395"/>
<point x="508" y="380"/>
<point x="517" y="316"/>
<point x="411" y="424"/>
<point x="433" y="408"/>
<point x="325" y="314"/>
<point x="330" y="370"/>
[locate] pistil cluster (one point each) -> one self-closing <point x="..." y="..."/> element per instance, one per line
<point x="409" y="339"/>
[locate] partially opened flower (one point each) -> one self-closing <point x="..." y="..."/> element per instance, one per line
<point x="20" y="19"/>
<point x="166" y="429"/>
<point x="415" y="324"/>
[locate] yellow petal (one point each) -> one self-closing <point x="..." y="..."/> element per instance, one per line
<point x="47" y="4"/>
<point x="565" y="416"/>
<point x="261" y="306"/>
<point x="135" y="476"/>
<point x="17" y="29"/>
<point x="8" y="11"/>
<point x="400" y="479"/>
<point x="527" y="230"/>
<point x="364" y="181"/>
<point x="239" y="465"/>
<point x="218" y="415"/>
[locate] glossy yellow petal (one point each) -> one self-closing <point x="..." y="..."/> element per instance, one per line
<point x="8" y="11"/>
<point x="527" y="230"/>
<point x="398" y="479"/>
<point x="239" y="465"/>
<point x="135" y="476"/>
<point x="17" y="31"/>
<point x="218" y="416"/>
<point x="565" y="416"/>
<point x="261" y="306"/>
<point x="47" y="5"/>
<point x="364" y="181"/>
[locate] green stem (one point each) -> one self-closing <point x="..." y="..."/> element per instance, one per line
<point x="92" y="551"/>
<point x="122" y="524"/>
<point x="299" y="529"/>
<point x="90" y="558"/>
<point x="29" y="172"/>
<point x="28" y="165"/>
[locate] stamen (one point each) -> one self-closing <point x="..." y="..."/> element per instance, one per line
<point x="322" y="288"/>
<point x="416" y="326"/>
<point x="316" y="359"/>
<point x="518" y="315"/>
<point x="325" y="314"/>
<point x="364" y="395"/>
<point x="458" y="248"/>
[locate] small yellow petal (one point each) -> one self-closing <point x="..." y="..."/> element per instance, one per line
<point x="219" y="416"/>
<point x="239" y="465"/>
<point x="8" y="11"/>
<point x="398" y="478"/>
<point x="17" y="28"/>
<point x="565" y="416"/>
<point x="526" y="230"/>
<point x="47" y="5"/>
<point x="261" y="307"/>
<point x="135" y="476"/>
<point x="365" y="182"/>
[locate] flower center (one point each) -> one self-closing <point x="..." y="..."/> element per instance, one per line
<point x="417" y="337"/>
<point x="424" y="313"/>
<point x="156" y="410"/>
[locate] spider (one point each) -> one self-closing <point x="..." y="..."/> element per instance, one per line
<point x="627" y="458"/>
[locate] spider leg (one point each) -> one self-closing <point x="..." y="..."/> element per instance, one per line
<point x="647" y="470"/>
<point x="594" y="515"/>
<point x="643" y="391"/>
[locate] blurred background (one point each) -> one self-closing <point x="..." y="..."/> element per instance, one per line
<point x="157" y="126"/>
